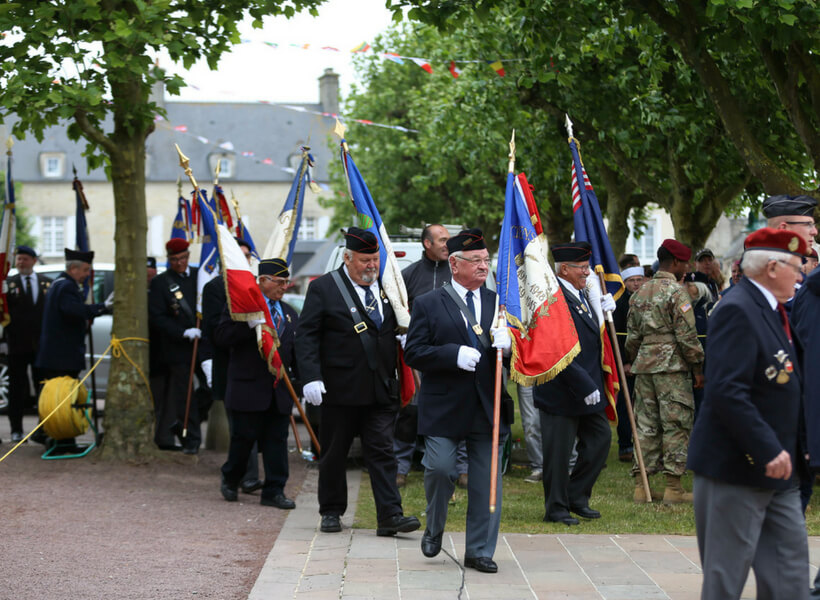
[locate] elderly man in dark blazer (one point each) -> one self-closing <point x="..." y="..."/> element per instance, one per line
<point x="457" y="359"/>
<point x="573" y="404"/>
<point x="745" y="446"/>
<point x="346" y="350"/>
<point x="259" y="406"/>
<point x="26" y="298"/>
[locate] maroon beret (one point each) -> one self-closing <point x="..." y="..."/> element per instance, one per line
<point x="676" y="249"/>
<point x="777" y="240"/>
<point x="175" y="246"/>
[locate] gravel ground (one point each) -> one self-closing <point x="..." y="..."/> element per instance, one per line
<point x="87" y="529"/>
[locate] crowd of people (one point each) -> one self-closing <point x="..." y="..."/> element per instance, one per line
<point x="714" y="372"/>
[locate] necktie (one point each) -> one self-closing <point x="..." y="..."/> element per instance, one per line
<point x="471" y="308"/>
<point x="277" y="318"/>
<point x="784" y="320"/>
<point x="371" y="306"/>
<point x="29" y="292"/>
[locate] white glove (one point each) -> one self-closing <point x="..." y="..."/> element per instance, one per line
<point x="501" y="338"/>
<point x="208" y="369"/>
<point x="593" y="398"/>
<point x="607" y="303"/>
<point x="109" y="302"/>
<point x="313" y="392"/>
<point x="468" y="358"/>
<point x="402" y="339"/>
<point x="254" y="322"/>
<point x="192" y="333"/>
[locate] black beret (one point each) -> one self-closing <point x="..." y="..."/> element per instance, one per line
<point x="275" y="267"/>
<point x="571" y="252"/>
<point x="151" y="262"/>
<point x="87" y="257"/>
<point x="783" y="206"/>
<point x="467" y="239"/>
<point x="27" y="251"/>
<point x="361" y="240"/>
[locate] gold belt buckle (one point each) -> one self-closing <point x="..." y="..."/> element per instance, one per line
<point x="360" y="326"/>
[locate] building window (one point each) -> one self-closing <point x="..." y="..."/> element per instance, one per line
<point x="645" y="246"/>
<point x="52" y="235"/>
<point x="307" y="230"/>
<point x="227" y="165"/>
<point x="52" y="164"/>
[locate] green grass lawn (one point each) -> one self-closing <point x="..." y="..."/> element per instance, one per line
<point x="523" y="503"/>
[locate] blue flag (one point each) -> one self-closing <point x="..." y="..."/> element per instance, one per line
<point x="8" y="232"/>
<point x="589" y="225"/>
<point x="285" y="230"/>
<point x="209" y="257"/>
<point x="182" y="223"/>
<point x="369" y="219"/>
<point x="245" y="235"/>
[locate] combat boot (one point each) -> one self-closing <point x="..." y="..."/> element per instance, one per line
<point x="674" y="492"/>
<point x="640" y="494"/>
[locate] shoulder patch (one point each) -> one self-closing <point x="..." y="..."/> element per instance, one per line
<point x="686" y="308"/>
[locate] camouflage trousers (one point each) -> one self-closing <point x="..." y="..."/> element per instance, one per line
<point x="664" y="414"/>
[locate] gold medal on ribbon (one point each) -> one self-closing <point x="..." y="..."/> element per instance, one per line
<point x="782" y="377"/>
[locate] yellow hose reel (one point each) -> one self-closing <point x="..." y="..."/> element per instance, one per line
<point x="69" y="421"/>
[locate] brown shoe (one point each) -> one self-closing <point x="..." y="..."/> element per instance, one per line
<point x="674" y="492"/>
<point x="640" y="493"/>
<point x="401" y="480"/>
<point x="462" y="481"/>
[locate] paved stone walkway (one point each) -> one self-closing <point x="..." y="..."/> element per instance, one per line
<point x="355" y="564"/>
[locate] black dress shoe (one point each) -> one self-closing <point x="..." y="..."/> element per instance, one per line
<point x="567" y="520"/>
<point x="279" y="501"/>
<point x="481" y="563"/>
<point x="250" y="486"/>
<point x="228" y="491"/>
<point x="190" y="450"/>
<point x="331" y="524"/>
<point x="430" y="544"/>
<point x="170" y="448"/>
<point x="586" y="512"/>
<point x="396" y="524"/>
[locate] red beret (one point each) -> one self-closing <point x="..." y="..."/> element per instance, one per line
<point x="175" y="246"/>
<point x="777" y="240"/>
<point x="678" y="250"/>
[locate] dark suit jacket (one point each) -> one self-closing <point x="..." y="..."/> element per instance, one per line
<point x="746" y="417"/>
<point x="805" y="318"/>
<point x="65" y="322"/>
<point x="449" y="396"/>
<point x="328" y="349"/>
<point x="214" y="302"/>
<point x="23" y="331"/>
<point x="168" y="315"/>
<point x="250" y="385"/>
<point x="564" y="395"/>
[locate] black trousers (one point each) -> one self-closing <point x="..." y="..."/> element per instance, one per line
<point x="19" y="387"/>
<point x="562" y="491"/>
<point x="170" y="391"/>
<point x="269" y="430"/>
<point x="374" y="424"/>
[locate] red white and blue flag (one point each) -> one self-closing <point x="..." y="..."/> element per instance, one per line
<point x="8" y="232"/>
<point x="544" y="339"/>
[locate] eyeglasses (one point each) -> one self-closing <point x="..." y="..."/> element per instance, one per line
<point x="581" y="267"/>
<point x="795" y="268"/>
<point x="475" y="261"/>
<point x="803" y="223"/>
<point x="180" y="258"/>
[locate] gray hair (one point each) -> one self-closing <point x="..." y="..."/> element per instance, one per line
<point x="347" y="253"/>
<point x="754" y="262"/>
<point x="456" y="254"/>
<point x="71" y="264"/>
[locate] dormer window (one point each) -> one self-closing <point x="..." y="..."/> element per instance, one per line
<point x="52" y="164"/>
<point x="227" y="165"/>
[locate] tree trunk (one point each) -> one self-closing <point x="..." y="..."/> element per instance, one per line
<point x="129" y="422"/>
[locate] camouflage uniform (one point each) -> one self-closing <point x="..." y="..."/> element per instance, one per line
<point x="662" y="338"/>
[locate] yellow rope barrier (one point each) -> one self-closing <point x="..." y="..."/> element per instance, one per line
<point x="117" y="350"/>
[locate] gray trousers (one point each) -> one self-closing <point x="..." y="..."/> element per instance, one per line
<point x="531" y="422"/>
<point x="440" y="475"/>
<point x="740" y="527"/>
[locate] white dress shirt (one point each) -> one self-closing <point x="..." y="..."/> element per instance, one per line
<point x="374" y="289"/>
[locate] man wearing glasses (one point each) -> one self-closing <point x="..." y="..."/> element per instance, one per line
<point x="259" y="410"/>
<point x="795" y="214"/>
<point x="172" y="313"/>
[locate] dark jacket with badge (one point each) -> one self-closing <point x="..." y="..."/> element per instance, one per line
<point x="564" y="394"/>
<point x="25" y="326"/>
<point x="449" y="396"/>
<point x="65" y="322"/>
<point x="249" y="383"/>
<point x="172" y="310"/>
<point x="328" y="349"/>
<point x="752" y="405"/>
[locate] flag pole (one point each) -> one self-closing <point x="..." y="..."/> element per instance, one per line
<point x="184" y="162"/>
<point x="610" y="324"/>
<point x="301" y="410"/>
<point x="499" y="377"/>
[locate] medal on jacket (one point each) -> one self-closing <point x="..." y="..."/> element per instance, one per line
<point x="782" y="377"/>
<point x="788" y="366"/>
<point x="770" y="372"/>
<point x="477" y="329"/>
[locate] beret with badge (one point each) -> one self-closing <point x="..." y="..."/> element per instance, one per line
<point x="361" y="240"/>
<point x="776" y="240"/>
<point x="275" y="267"/>
<point x="466" y="240"/>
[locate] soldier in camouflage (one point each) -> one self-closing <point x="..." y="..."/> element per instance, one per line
<point x="663" y="343"/>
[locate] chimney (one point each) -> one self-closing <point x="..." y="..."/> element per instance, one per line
<point x="329" y="91"/>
